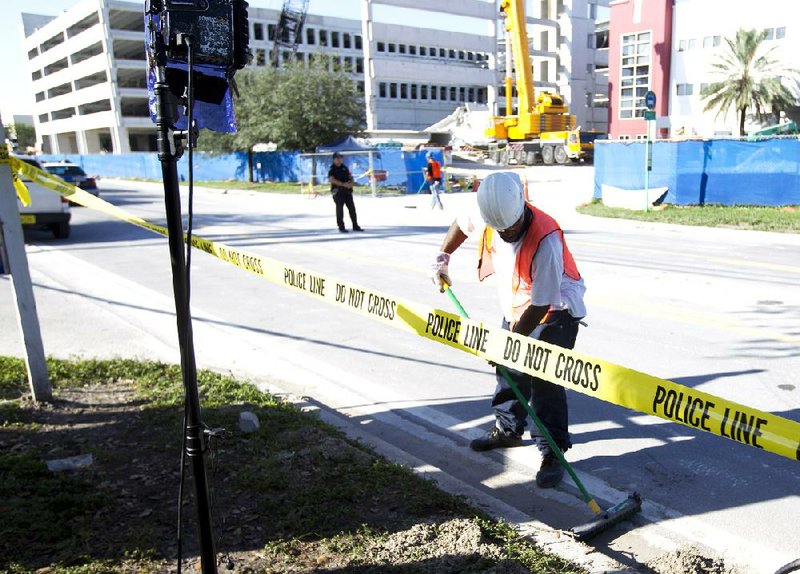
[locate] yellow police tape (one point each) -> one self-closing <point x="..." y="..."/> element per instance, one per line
<point x="573" y="370"/>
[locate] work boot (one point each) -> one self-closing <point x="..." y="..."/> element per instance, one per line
<point x="550" y="472"/>
<point x="357" y="228"/>
<point x="495" y="438"/>
<point x="342" y="230"/>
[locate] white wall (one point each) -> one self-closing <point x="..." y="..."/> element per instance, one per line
<point x="699" y="19"/>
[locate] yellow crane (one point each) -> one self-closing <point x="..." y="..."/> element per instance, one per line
<point x="542" y="127"/>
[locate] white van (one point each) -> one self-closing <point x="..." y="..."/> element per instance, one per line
<point x="47" y="209"/>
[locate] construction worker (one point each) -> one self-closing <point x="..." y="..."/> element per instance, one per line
<point x="342" y="190"/>
<point x="541" y="293"/>
<point x="434" y="177"/>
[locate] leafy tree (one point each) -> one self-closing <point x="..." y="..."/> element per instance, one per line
<point x="296" y="107"/>
<point x="751" y="78"/>
<point x="26" y="135"/>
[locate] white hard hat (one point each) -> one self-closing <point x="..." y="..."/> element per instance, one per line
<point x="501" y="199"/>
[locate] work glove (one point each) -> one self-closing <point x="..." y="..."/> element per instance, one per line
<point x="439" y="272"/>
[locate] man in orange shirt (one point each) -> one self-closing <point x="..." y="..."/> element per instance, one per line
<point x="434" y="180"/>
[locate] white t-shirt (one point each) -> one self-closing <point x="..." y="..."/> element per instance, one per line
<point x="550" y="285"/>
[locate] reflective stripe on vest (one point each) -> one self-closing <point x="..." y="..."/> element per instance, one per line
<point x="541" y="226"/>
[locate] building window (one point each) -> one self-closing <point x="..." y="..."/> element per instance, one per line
<point x="684" y="89"/>
<point x="412" y="50"/>
<point x="692" y="44"/>
<point x="310" y="36"/>
<point x="258" y="31"/>
<point x="358" y="42"/>
<point x="44" y="118"/>
<point x="451" y="54"/>
<point x="40" y="96"/>
<point x="682" y="46"/>
<point x="393" y="90"/>
<point x="423" y="51"/>
<point x="770" y="34"/>
<point x="413" y="91"/>
<point x="635" y="74"/>
<point x="334" y="39"/>
<point x="323" y="37"/>
<point x="780" y="33"/>
<point x="403" y="91"/>
<point x="544" y="75"/>
<point x="401" y="48"/>
<point x="346" y="40"/>
<point x="392" y="48"/>
<point x="453" y="95"/>
<point x="707" y="42"/>
<point x="381" y="47"/>
<point x="442" y="53"/>
<point x="423" y="92"/>
<point x="382" y="89"/>
<point x="36" y="75"/>
<point x="359" y="65"/>
<point x="442" y="93"/>
<point x="716" y="41"/>
<point x="461" y="55"/>
<point x="703" y="87"/>
<point x="624" y="137"/>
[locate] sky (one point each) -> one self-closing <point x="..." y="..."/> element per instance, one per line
<point x="19" y="100"/>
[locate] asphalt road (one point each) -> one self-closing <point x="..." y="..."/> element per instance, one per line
<point x="716" y="310"/>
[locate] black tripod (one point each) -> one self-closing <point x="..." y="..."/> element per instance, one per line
<point x="170" y="149"/>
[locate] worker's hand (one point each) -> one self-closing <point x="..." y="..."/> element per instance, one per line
<point x="439" y="272"/>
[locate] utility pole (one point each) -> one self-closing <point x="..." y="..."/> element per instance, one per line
<point x="13" y="242"/>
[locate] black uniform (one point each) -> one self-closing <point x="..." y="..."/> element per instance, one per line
<point x="343" y="195"/>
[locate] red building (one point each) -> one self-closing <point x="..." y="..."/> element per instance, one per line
<point x="640" y="42"/>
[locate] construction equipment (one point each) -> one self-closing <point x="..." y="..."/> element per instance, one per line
<point x="542" y="128"/>
<point x="603" y="519"/>
<point x="289" y="29"/>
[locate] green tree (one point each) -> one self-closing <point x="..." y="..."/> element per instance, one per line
<point x="26" y="135"/>
<point x="296" y="107"/>
<point x="750" y="78"/>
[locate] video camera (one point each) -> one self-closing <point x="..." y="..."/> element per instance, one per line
<point x="218" y="31"/>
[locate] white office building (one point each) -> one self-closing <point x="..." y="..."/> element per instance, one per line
<point x="698" y="39"/>
<point x="88" y="69"/>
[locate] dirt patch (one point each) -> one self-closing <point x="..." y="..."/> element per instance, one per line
<point x="690" y="560"/>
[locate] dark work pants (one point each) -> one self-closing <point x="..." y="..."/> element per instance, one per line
<point x="342" y="198"/>
<point x="549" y="401"/>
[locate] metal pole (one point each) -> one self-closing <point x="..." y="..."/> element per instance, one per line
<point x="647" y="165"/>
<point x="28" y="320"/>
<point x="167" y="154"/>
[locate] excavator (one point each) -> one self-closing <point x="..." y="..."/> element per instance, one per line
<point x="543" y="127"/>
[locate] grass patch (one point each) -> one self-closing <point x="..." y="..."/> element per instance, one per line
<point x="295" y="496"/>
<point x="283" y="187"/>
<point x="781" y="219"/>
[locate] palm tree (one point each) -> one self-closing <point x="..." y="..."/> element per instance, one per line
<point x="751" y="79"/>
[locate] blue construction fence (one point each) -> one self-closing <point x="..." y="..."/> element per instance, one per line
<point x="723" y="172"/>
<point x="396" y="168"/>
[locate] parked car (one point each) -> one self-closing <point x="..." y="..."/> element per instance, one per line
<point x="74" y="174"/>
<point x="47" y="209"/>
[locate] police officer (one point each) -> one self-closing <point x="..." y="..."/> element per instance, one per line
<point x="342" y="190"/>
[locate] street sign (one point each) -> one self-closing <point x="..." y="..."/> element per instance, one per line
<point x="650" y="100"/>
<point x="649" y="115"/>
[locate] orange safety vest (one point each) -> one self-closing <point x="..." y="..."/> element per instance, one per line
<point x="436" y="170"/>
<point x="522" y="282"/>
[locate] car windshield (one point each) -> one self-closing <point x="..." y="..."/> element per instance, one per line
<point x="69" y="170"/>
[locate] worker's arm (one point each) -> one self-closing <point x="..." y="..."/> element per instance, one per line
<point x="454" y="238"/>
<point x="440" y="273"/>
<point x="532" y="316"/>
